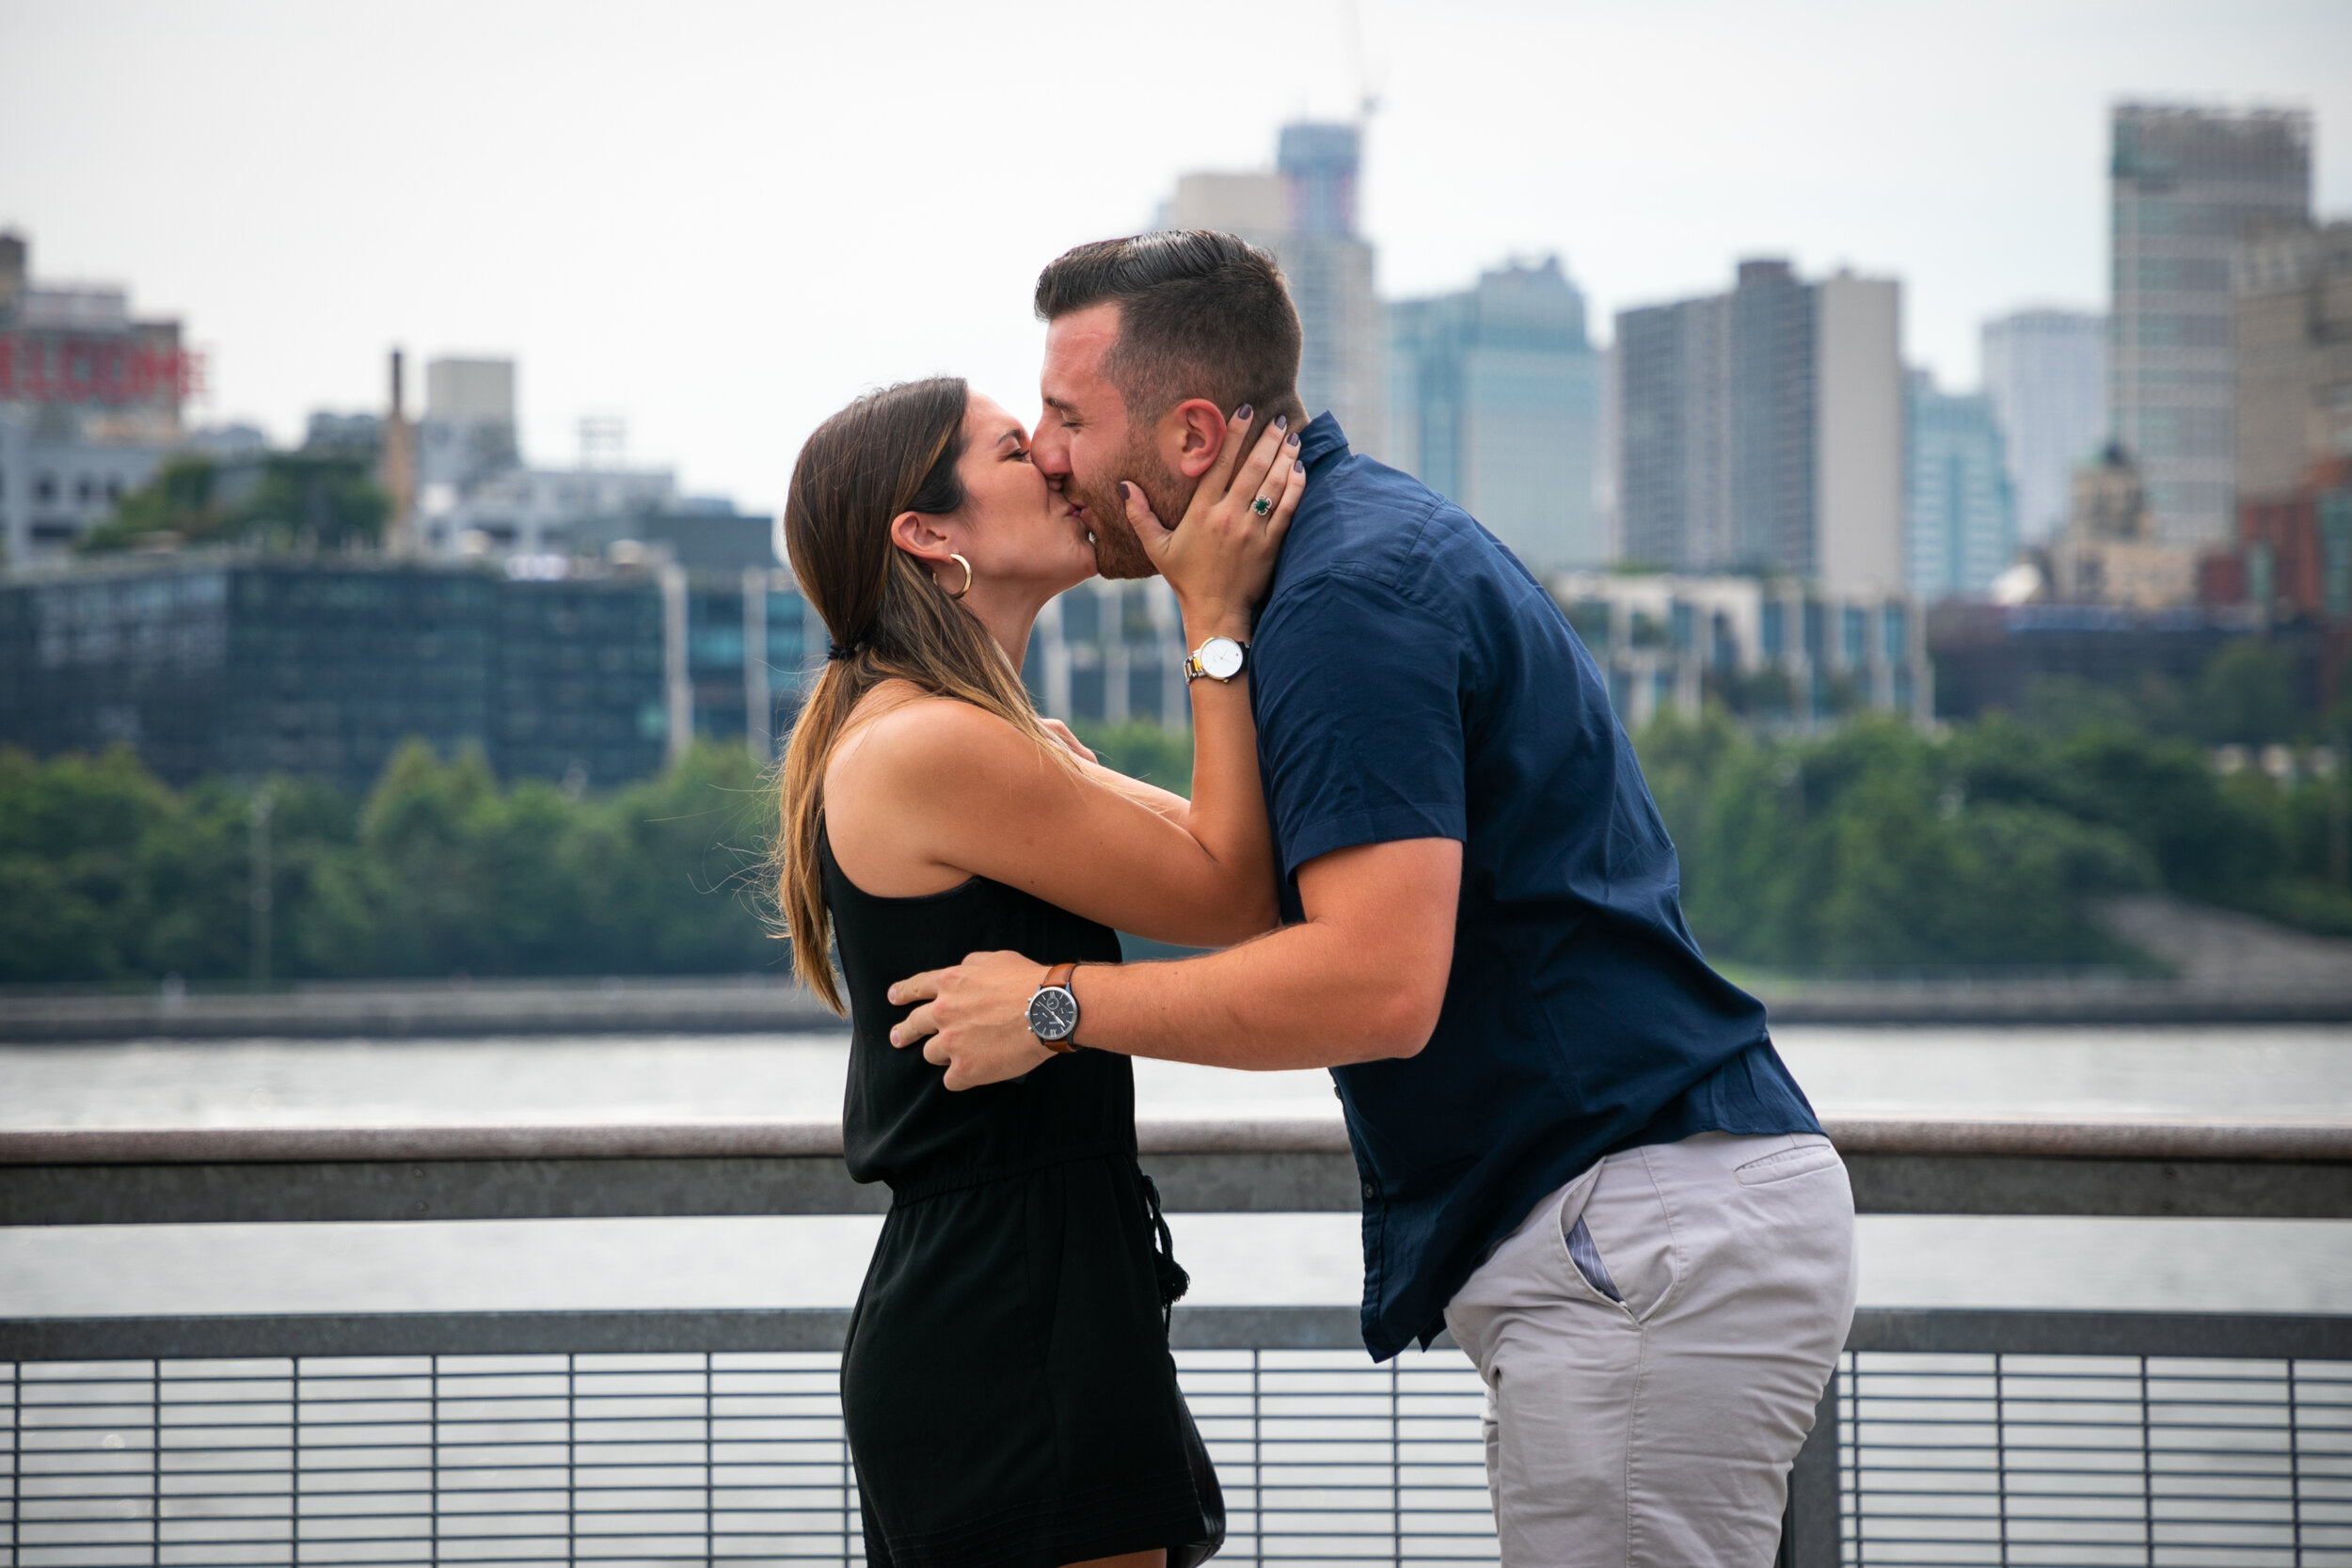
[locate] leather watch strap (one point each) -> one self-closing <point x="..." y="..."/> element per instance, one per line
<point x="1058" y="978"/>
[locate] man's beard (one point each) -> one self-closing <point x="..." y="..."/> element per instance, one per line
<point x="1118" y="553"/>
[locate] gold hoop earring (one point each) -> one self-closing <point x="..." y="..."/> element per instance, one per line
<point x="967" y="577"/>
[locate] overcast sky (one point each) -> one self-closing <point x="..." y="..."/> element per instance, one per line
<point x="722" y="220"/>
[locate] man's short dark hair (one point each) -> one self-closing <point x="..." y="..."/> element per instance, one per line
<point x="1201" y="315"/>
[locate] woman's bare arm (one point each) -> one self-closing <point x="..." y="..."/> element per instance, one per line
<point x="933" y="789"/>
<point x="936" y="790"/>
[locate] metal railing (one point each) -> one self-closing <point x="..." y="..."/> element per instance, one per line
<point x="1947" y="1438"/>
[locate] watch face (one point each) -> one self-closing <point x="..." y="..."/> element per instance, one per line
<point x="1220" y="659"/>
<point x="1053" y="1014"/>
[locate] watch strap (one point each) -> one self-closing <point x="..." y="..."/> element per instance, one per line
<point x="1057" y="978"/>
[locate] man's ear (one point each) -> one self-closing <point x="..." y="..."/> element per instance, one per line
<point x="1193" y="433"/>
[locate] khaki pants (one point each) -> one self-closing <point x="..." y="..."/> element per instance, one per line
<point x="1657" y="1430"/>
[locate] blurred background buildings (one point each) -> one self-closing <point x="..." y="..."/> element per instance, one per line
<point x="2185" y="186"/>
<point x="1746" y="497"/>
<point x="2046" y="374"/>
<point x="90" y="405"/>
<point x="1961" y="501"/>
<point x="1304" y="213"/>
<point x="1494" y="398"/>
<point x="1762" y="430"/>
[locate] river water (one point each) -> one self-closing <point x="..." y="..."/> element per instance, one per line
<point x="2270" y="1073"/>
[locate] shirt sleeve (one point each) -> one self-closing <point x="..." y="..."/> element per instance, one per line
<point x="1360" y="719"/>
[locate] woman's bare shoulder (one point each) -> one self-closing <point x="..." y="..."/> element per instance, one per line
<point x="911" y="785"/>
<point x="914" y="736"/>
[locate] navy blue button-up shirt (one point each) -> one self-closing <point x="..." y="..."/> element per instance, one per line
<point x="1411" y="680"/>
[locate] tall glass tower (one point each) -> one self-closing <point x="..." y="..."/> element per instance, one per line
<point x="1328" y="265"/>
<point x="1304" y="212"/>
<point x="1962" y="522"/>
<point x="2046" y="372"/>
<point x="2184" y="184"/>
<point x="1494" y="401"/>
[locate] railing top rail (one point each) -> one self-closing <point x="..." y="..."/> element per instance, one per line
<point x="2298" y="1143"/>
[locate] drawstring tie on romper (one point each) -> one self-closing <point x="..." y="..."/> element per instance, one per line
<point x="1173" y="1280"/>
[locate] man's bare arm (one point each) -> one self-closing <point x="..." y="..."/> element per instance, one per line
<point x="1361" y="978"/>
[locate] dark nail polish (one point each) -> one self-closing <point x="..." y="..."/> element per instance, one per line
<point x="1281" y="421"/>
<point x="1299" y="464"/>
<point x="1123" y="490"/>
<point x="1243" y="412"/>
<point x="1293" y="440"/>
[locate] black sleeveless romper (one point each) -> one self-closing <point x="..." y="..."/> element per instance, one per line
<point x="1006" y="1386"/>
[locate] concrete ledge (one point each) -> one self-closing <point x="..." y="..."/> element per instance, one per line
<point x="2235" y="1142"/>
<point x="204" y="1175"/>
<point x="1901" y="1330"/>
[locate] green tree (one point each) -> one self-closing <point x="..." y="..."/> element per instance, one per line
<point x="106" y="874"/>
<point x="449" y="874"/>
<point x="180" y="499"/>
<point x="670" y="871"/>
<point x="306" y="500"/>
<point x="1863" y="851"/>
<point x="2246" y="695"/>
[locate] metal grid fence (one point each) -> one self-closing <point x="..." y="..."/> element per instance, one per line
<point x="701" y="1456"/>
<point x="656" y="1458"/>
<point x="2088" y="1460"/>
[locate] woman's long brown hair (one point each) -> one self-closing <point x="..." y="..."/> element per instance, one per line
<point x="889" y="452"/>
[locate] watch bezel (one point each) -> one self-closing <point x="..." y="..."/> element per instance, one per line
<point x="1065" y="995"/>
<point x="1239" y="657"/>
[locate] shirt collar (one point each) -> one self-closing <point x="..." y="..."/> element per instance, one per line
<point x="1322" y="438"/>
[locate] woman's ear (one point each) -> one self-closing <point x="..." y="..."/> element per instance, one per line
<point x="921" y="537"/>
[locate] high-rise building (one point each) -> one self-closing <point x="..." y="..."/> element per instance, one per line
<point x="1305" y="214"/>
<point x="1606" y="451"/>
<point x="90" y="405"/>
<point x="1963" y="526"/>
<point x="2186" y="183"/>
<point x="1674" y="436"/>
<point x="2293" y="346"/>
<point x="1494" y="402"/>
<point x="1762" y="430"/>
<point x="1330" y="268"/>
<point x="2294" y="354"/>
<point x="2046" y="372"/>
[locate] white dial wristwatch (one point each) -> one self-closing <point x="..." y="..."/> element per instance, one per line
<point x="1220" y="659"/>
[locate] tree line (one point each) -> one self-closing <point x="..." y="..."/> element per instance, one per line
<point x="1873" y="847"/>
<point x="1876" y="848"/>
<point x="108" y="875"/>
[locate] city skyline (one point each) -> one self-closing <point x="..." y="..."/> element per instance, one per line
<point x="724" y="223"/>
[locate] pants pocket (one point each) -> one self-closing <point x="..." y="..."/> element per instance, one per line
<point x="1626" y="1246"/>
<point x="1806" y="1154"/>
